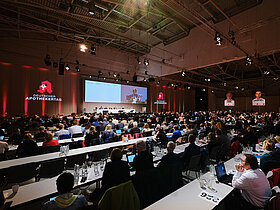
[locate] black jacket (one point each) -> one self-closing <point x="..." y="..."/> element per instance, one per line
<point x="190" y="151"/>
<point x="115" y="173"/>
<point x="27" y="148"/>
<point x="143" y="161"/>
<point x="169" y="159"/>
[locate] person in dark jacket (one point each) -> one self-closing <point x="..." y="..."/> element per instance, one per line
<point x="115" y="172"/>
<point x="190" y="151"/>
<point x="170" y="158"/>
<point x="41" y="136"/>
<point x="144" y="159"/>
<point x="91" y="136"/>
<point x="108" y="134"/>
<point x="27" y="147"/>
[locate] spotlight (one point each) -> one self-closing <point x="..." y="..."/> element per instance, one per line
<point x="203" y="90"/>
<point x="225" y="84"/>
<point x="189" y="88"/>
<point x="172" y="85"/>
<point x="127" y="81"/>
<point x="275" y="78"/>
<point x="92" y="50"/>
<point x="114" y="75"/>
<point x="212" y="91"/>
<point x="145" y="80"/>
<point x="242" y="89"/>
<point x="158" y="82"/>
<point x="184" y="73"/>
<point x="104" y="78"/>
<point x="146" y="62"/>
<point x="248" y="60"/>
<point x="83" y="48"/>
<point x="146" y="72"/>
<point x="218" y="39"/>
<point x="236" y="87"/>
<point x="163" y="61"/>
<point x="67" y="68"/>
<point x="47" y="60"/>
<point x="90" y="77"/>
<point x="77" y="69"/>
<point x="266" y="72"/>
<point x="91" y="7"/>
<point x="138" y="60"/>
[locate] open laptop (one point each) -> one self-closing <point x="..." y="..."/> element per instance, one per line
<point x="222" y="174"/>
<point x="130" y="158"/>
<point x="2" y="138"/>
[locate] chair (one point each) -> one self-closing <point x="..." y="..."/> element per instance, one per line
<point x="213" y="156"/>
<point x="64" y="136"/>
<point x="99" y="155"/>
<point x="77" y="135"/>
<point x="51" y="168"/>
<point x="194" y="165"/>
<point x="75" y="159"/>
<point x="50" y="149"/>
<point x="120" y="197"/>
<point x="20" y="173"/>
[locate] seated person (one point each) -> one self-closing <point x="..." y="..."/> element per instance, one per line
<point x="144" y="159"/>
<point x="108" y="134"/>
<point x="252" y="182"/>
<point x="50" y="141"/>
<point x="75" y="128"/>
<point x="190" y="151"/>
<point x="135" y="129"/>
<point x="170" y="157"/>
<point x="61" y="131"/>
<point x="27" y="147"/>
<point x="16" y="138"/>
<point x="176" y="134"/>
<point x="213" y="142"/>
<point x="41" y="135"/>
<point x="161" y="137"/>
<point x="3" y="149"/>
<point x="112" y="124"/>
<point x="267" y="158"/>
<point x="65" y="199"/>
<point x="90" y="136"/>
<point x="120" y="125"/>
<point x="116" y="171"/>
<point x="146" y="128"/>
<point x="100" y="128"/>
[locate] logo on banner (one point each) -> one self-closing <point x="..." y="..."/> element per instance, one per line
<point x="160" y="99"/>
<point x="44" y="87"/>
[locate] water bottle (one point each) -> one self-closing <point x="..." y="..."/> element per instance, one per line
<point x="76" y="174"/>
<point x="84" y="171"/>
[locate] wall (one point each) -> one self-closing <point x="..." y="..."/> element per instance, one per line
<point x="179" y="100"/>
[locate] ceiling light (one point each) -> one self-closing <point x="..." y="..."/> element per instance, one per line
<point x="242" y="89"/>
<point x="67" y="68"/>
<point x="275" y="78"/>
<point x="90" y="77"/>
<point x="77" y="69"/>
<point x="138" y="60"/>
<point x="158" y="82"/>
<point x="184" y="73"/>
<point x="91" y="7"/>
<point x="83" y="48"/>
<point x="236" y="87"/>
<point x="218" y="39"/>
<point x="127" y="81"/>
<point x="248" y="60"/>
<point x="266" y="72"/>
<point x="146" y="62"/>
<point x="203" y="90"/>
<point x="225" y="84"/>
<point x="189" y="88"/>
<point x="114" y="75"/>
<point x="104" y="78"/>
<point x="212" y="91"/>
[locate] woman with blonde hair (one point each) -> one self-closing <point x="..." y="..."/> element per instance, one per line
<point x="108" y="134"/>
<point x="268" y="159"/>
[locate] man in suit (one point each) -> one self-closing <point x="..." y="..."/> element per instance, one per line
<point x="190" y="151"/>
<point x="144" y="159"/>
<point x="170" y="157"/>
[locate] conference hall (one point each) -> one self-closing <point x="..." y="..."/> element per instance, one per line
<point x="140" y="104"/>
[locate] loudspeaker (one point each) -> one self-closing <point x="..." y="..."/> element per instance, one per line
<point x="61" y="69"/>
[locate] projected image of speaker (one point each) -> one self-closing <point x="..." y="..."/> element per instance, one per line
<point x="61" y="68"/>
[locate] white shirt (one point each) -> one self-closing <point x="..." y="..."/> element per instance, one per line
<point x="3" y="147"/>
<point x="254" y="186"/>
<point x="229" y="102"/>
<point x="75" y="129"/>
<point x="61" y="132"/>
<point x="258" y="102"/>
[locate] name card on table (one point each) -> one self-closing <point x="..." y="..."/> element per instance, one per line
<point x="210" y="197"/>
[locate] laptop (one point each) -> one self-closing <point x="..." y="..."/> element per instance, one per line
<point x="222" y="174"/>
<point x="2" y="138"/>
<point x="118" y="132"/>
<point x="130" y="158"/>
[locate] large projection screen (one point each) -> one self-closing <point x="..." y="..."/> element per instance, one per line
<point x="104" y="92"/>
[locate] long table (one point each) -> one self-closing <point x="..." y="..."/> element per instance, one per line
<point x="49" y="156"/>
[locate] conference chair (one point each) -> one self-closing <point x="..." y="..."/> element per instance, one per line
<point x="50" y="168"/>
<point x="50" y="149"/>
<point x="194" y="165"/>
<point x="20" y="173"/>
<point x="213" y="156"/>
<point x="75" y="159"/>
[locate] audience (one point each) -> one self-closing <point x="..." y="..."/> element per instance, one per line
<point x="190" y="151"/>
<point x="65" y="199"/>
<point x="61" y="131"/>
<point x="108" y="134"/>
<point x="75" y="128"/>
<point x="27" y="147"/>
<point x="91" y="136"/>
<point x="268" y="157"/>
<point x="176" y="134"/>
<point x="50" y="141"/>
<point x="252" y="182"/>
<point x="144" y="159"/>
<point x="170" y="158"/>
<point x="41" y="136"/>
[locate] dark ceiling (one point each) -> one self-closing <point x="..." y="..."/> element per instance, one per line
<point x="130" y="25"/>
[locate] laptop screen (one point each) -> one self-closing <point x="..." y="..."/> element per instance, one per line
<point x="182" y="132"/>
<point x="1" y="138"/>
<point x="118" y="131"/>
<point x="130" y="158"/>
<point x="220" y="170"/>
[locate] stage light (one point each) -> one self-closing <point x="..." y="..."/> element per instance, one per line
<point x="83" y="48"/>
<point x="275" y="78"/>
<point x="225" y="84"/>
<point x="184" y="73"/>
<point x="67" y="68"/>
<point x="104" y="78"/>
<point x="158" y="82"/>
<point x="91" y="7"/>
<point x="146" y="62"/>
<point x="218" y="39"/>
<point x="77" y="69"/>
<point x="127" y="81"/>
<point x="138" y="60"/>
<point x="248" y="60"/>
<point x="114" y="75"/>
<point x="92" y="50"/>
<point x="266" y="72"/>
<point x="212" y="91"/>
<point x="236" y="87"/>
<point x="203" y="90"/>
<point x="146" y="72"/>
<point x="172" y="85"/>
<point x="189" y="88"/>
<point x="90" y="77"/>
<point x="242" y="89"/>
<point x="47" y="60"/>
